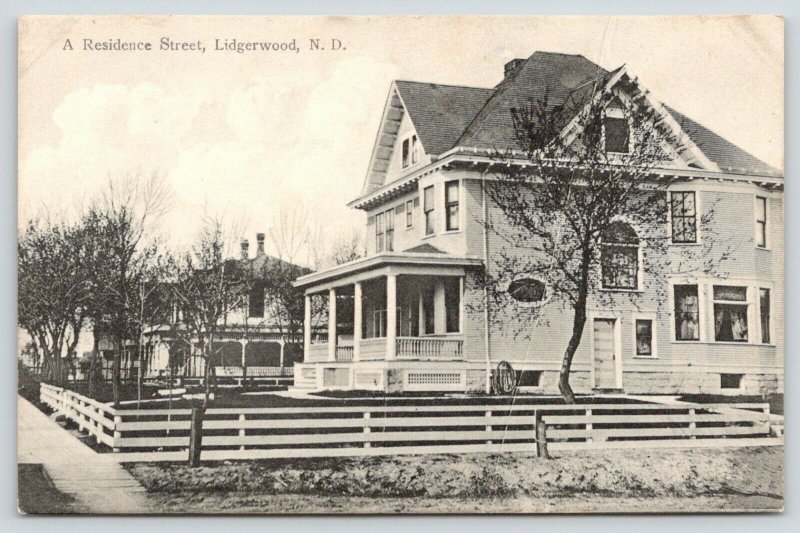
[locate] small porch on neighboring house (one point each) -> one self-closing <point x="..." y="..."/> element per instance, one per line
<point x="393" y="310"/>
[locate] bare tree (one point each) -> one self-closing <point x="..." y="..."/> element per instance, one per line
<point x="563" y="196"/>
<point x="348" y="247"/>
<point x="289" y="232"/>
<point x="124" y="216"/>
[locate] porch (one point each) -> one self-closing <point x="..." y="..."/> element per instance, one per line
<point x="394" y="312"/>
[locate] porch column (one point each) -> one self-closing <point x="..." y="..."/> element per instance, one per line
<point x="357" y="321"/>
<point x="332" y="325"/>
<point x="307" y="329"/>
<point x="282" y="343"/>
<point x="391" y="316"/>
<point x="439" y="309"/>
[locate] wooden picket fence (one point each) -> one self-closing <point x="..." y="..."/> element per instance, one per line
<point x="251" y="433"/>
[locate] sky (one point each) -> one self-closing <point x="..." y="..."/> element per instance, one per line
<point x="245" y="136"/>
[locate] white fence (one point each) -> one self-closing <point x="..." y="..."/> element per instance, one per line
<point x="250" y="433"/>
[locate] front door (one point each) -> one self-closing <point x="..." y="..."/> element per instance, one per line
<point x="605" y="369"/>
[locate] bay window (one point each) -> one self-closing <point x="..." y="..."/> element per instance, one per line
<point x="451" y="205"/>
<point x="687" y="313"/>
<point x="761" y="222"/>
<point x="428" y="205"/>
<point x="730" y="313"/>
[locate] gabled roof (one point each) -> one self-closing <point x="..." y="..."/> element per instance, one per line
<point x="559" y="76"/>
<point x="447" y="116"/>
<point x="441" y="113"/>
<point x="728" y="156"/>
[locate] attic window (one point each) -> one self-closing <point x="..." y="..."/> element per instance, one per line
<point x="616" y="129"/>
<point x="410" y="149"/>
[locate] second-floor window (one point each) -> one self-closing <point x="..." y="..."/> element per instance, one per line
<point x="683" y="217"/>
<point x="409" y="213"/>
<point x="384" y="231"/>
<point x="428" y="208"/>
<point x="620" y="257"/>
<point x="410" y="149"/>
<point x="256" y="303"/>
<point x="761" y="222"/>
<point x="451" y="205"/>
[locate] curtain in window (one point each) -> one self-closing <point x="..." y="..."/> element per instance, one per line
<point x="687" y="313"/>
<point x="730" y="322"/>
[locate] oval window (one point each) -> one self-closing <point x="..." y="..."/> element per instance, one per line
<point x="527" y="290"/>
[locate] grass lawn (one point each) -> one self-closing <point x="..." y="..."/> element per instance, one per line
<point x="775" y="400"/>
<point x="37" y="495"/>
<point x="666" y="480"/>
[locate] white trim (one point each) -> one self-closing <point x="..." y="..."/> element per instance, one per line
<point x="653" y="333"/>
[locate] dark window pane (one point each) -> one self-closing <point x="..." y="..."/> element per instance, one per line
<point x="406" y="152"/>
<point x="620" y="266"/>
<point x="452" y="303"/>
<point x="256" y="303"/>
<point x="730" y="322"/>
<point x="765" y="312"/>
<point x="684" y="217"/>
<point x="527" y="290"/>
<point x="617" y="135"/>
<point x="644" y="337"/>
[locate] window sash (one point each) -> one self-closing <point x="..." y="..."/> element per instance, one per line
<point x="617" y="135"/>
<point x="764" y="311"/>
<point x="644" y="337"/>
<point x="379" y="236"/>
<point x="428" y="208"/>
<point x="409" y="213"/>
<point x="683" y="211"/>
<point x="761" y="222"/>
<point x="731" y="308"/>
<point x="687" y="312"/>
<point x="620" y="267"/>
<point x="414" y="149"/>
<point x="406" y="152"/>
<point x="451" y="206"/>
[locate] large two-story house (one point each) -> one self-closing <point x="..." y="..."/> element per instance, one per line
<point x="407" y="317"/>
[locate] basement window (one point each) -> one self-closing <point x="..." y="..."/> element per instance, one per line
<point x="529" y="378"/>
<point x="730" y="381"/>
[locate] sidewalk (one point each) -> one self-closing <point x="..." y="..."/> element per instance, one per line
<point x="99" y="484"/>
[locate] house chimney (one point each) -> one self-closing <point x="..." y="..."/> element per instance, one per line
<point x="245" y="249"/>
<point x="512" y="66"/>
<point x="260" y="241"/>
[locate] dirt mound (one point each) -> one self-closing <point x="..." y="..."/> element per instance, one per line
<point x="628" y="473"/>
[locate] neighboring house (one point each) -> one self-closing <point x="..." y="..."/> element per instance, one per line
<point x="251" y="336"/>
<point x="405" y="317"/>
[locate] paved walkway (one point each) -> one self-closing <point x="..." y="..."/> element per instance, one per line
<point x="99" y="484"/>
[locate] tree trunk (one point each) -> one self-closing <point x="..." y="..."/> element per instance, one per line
<point x="115" y="373"/>
<point x="578" y="323"/>
<point x="92" y="378"/>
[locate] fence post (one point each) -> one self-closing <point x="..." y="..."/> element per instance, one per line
<point x="692" y="423"/>
<point x="488" y="424"/>
<point x="98" y="428"/>
<point x="196" y="436"/>
<point x="117" y="433"/>
<point x="589" y="427"/>
<point x="541" y="436"/>
<point x="242" y="418"/>
<point x="367" y="444"/>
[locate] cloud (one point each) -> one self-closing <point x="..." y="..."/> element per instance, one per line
<point x="248" y="149"/>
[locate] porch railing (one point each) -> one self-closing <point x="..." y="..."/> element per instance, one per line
<point x="344" y="354"/>
<point x="428" y="348"/>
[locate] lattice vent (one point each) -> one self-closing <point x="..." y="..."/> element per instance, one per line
<point x="434" y="378"/>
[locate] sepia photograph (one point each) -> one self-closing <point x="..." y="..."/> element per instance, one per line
<point x="292" y="265"/>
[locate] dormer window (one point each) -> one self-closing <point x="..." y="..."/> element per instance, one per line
<point x="616" y="129"/>
<point x="410" y="151"/>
